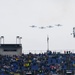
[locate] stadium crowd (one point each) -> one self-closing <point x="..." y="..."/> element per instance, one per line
<point x="48" y="63"/>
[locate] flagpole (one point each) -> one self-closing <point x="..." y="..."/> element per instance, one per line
<point x="47" y="42"/>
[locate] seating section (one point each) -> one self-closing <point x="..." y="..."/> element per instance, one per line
<point x="37" y="64"/>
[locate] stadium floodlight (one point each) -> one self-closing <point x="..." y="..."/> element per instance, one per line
<point x="17" y="37"/>
<point x="20" y="40"/>
<point x="2" y="37"/>
<point x="47" y="42"/>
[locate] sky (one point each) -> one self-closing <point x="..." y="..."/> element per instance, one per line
<point x="16" y="17"/>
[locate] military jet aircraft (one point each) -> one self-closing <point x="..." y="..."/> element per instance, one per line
<point x="50" y="26"/>
<point x="33" y="26"/>
<point x="58" y="25"/>
<point x="42" y="27"/>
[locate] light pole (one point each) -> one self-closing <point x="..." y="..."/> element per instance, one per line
<point x="2" y="37"/>
<point x="19" y="38"/>
<point x="47" y="42"/>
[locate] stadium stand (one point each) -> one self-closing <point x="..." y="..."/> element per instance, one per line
<point x="11" y="49"/>
<point x="38" y="64"/>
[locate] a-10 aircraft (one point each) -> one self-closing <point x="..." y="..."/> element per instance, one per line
<point x="33" y="26"/>
<point x="50" y="26"/>
<point x="58" y="25"/>
<point x="42" y="27"/>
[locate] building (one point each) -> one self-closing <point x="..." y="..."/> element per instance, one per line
<point x="10" y="49"/>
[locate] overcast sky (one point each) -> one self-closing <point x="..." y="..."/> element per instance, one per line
<point x="17" y="15"/>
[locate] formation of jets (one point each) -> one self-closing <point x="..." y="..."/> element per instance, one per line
<point x="42" y="27"/>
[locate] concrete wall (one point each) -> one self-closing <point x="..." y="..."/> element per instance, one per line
<point x="11" y="53"/>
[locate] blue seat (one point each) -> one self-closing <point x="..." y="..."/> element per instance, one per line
<point x="2" y="73"/>
<point x="34" y="67"/>
<point x="49" y="60"/>
<point x="42" y="74"/>
<point x="64" y="67"/>
<point x="58" y="61"/>
<point x="53" y="61"/>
